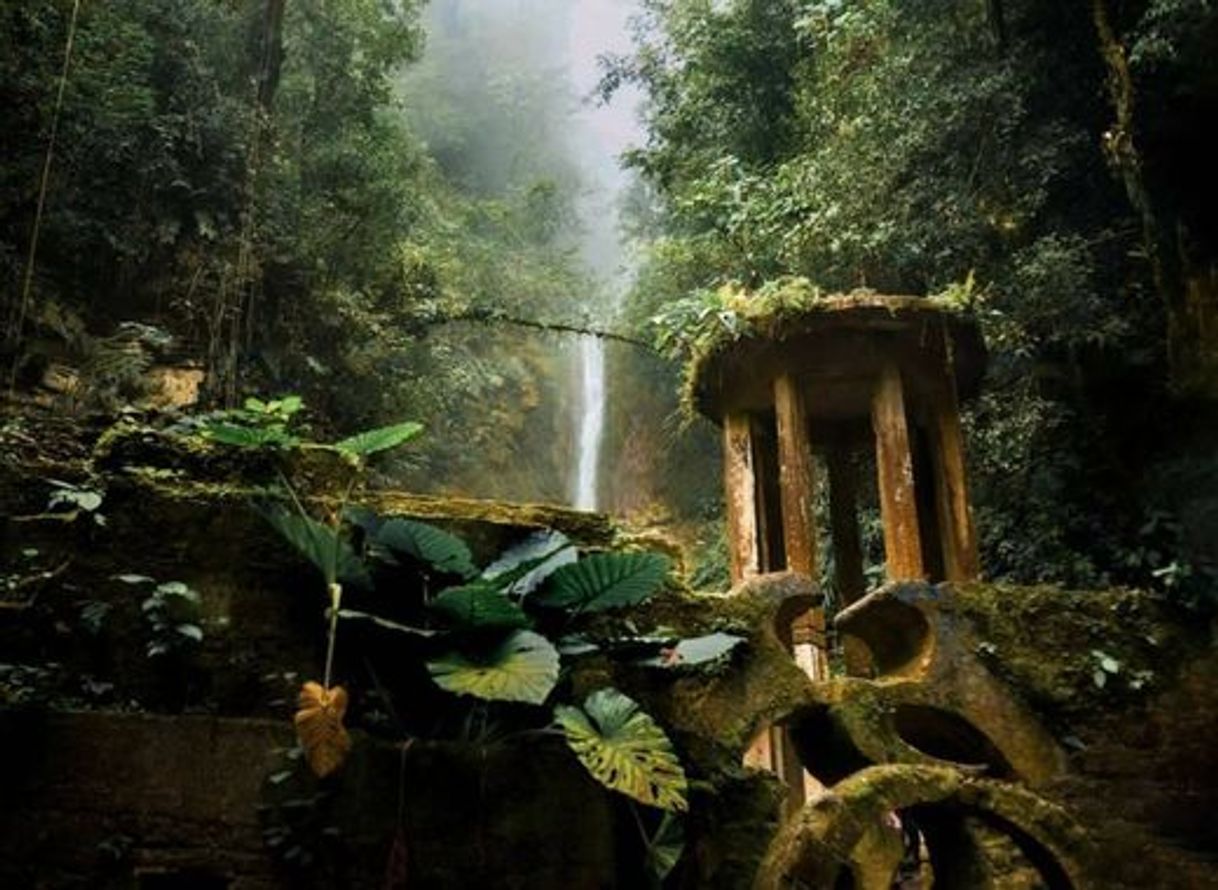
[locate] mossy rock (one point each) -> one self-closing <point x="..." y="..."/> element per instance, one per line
<point x="1074" y="654"/>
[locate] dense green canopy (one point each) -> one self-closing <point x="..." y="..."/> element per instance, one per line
<point x="914" y="147"/>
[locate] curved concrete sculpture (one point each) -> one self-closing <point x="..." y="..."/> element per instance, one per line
<point x="841" y="831"/>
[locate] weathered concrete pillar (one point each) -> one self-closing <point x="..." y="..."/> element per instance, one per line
<point x="740" y="482"/>
<point x="771" y="548"/>
<point x="961" y="561"/>
<point x="796" y="477"/>
<point x="824" y="372"/>
<point x="894" y="466"/>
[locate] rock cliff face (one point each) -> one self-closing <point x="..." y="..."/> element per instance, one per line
<point x="1020" y="737"/>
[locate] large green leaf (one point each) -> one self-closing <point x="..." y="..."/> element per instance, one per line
<point x="242" y="436"/>
<point x="320" y="544"/>
<point x="524" y="577"/>
<point x="604" y="581"/>
<point x="522" y="567"/>
<point x="523" y="668"/>
<point x="664" y="848"/>
<point x="694" y="651"/>
<point x="477" y="606"/>
<point x="382" y="439"/>
<point x="427" y="544"/>
<point x="624" y="749"/>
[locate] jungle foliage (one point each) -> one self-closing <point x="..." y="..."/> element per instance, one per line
<point x="486" y="636"/>
<point x="906" y="146"/>
<point x="288" y="200"/>
<point x="298" y="203"/>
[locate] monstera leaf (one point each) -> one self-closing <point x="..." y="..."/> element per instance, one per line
<point x="477" y="606"/>
<point x="624" y="749"/>
<point x="604" y="581"/>
<point x="523" y="668"/>
<point x="427" y="544"/>
<point x="372" y="441"/>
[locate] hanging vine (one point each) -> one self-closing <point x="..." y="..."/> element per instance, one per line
<point x="232" y="319"/>
<point x="17" y="322"/>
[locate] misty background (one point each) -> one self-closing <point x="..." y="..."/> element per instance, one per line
<point x="504" y="97"/>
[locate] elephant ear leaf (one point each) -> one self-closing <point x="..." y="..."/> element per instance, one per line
<point x="382" y="439"/>
<point x="319" y="544"/>
<point x="521" y="569"/>
<point x="604" y="581"/>
<point x="478" y="606"/>
<point x="664" y="848"/>
<point x="695" y="651"/>
<point x="625" y="750"/>
<point x="426" y="544"/>
<point x="522" y="668"/>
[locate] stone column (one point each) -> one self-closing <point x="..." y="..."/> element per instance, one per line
<point x="844" y="521"/>
<point x="894" y="465"/>
<point x="740" y="482"/>
<point x="961" y="561"/>
<point x="796" y="477"/>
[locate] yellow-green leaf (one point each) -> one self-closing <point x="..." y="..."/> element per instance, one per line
<point x="372" y="441"/>
<point x="624" y="749"/>
<point x="524" y="668"/>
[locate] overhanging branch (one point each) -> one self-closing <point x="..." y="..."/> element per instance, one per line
<point x="486" y="316"/>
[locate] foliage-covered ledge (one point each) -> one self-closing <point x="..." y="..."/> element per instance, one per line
<point x="716" y="332"/>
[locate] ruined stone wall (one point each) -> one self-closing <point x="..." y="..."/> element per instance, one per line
<point x="1038" y="737"/>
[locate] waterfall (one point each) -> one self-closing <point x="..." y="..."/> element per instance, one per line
<point x="590" y="421"/>
<point x="599" y="133"/>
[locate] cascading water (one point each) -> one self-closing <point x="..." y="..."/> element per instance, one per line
<point x="599" y="27"/>
<point x="590" y="421"/>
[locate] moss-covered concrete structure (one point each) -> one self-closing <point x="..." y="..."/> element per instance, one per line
<point x="992" y="737"/>
<point x="932" y="762"/>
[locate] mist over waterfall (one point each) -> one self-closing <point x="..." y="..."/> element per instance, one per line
<point x="601" y="133"/>
<point x="501" y="98"/>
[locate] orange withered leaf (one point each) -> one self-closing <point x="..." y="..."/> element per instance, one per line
<point x="319" y="726"/>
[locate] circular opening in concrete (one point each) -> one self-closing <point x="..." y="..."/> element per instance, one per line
<point x="895" y="633"/>
<point x="967" y="848"/>
<point x="948" y="736"/>
<point x="823" y="747"/>
<point x="798" y="614"/>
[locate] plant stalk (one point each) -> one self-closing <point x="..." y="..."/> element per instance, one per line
<point x="336" y="596"/>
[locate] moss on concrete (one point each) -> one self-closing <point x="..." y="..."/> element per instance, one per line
<point x="779" y="310"/>
<point x="1139" y="765"/>
<point x="1050" y="644"/>
<point x="831" y="833"/>
<point x="764" y="684"/>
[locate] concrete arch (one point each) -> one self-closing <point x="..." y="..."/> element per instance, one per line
<point x="836" y="833"/>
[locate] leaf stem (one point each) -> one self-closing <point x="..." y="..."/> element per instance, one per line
<point x="336" y="596"/>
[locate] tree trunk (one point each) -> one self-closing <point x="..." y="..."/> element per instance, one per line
<point x="1188" y="285"/>
<point x="271" y="53"/>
